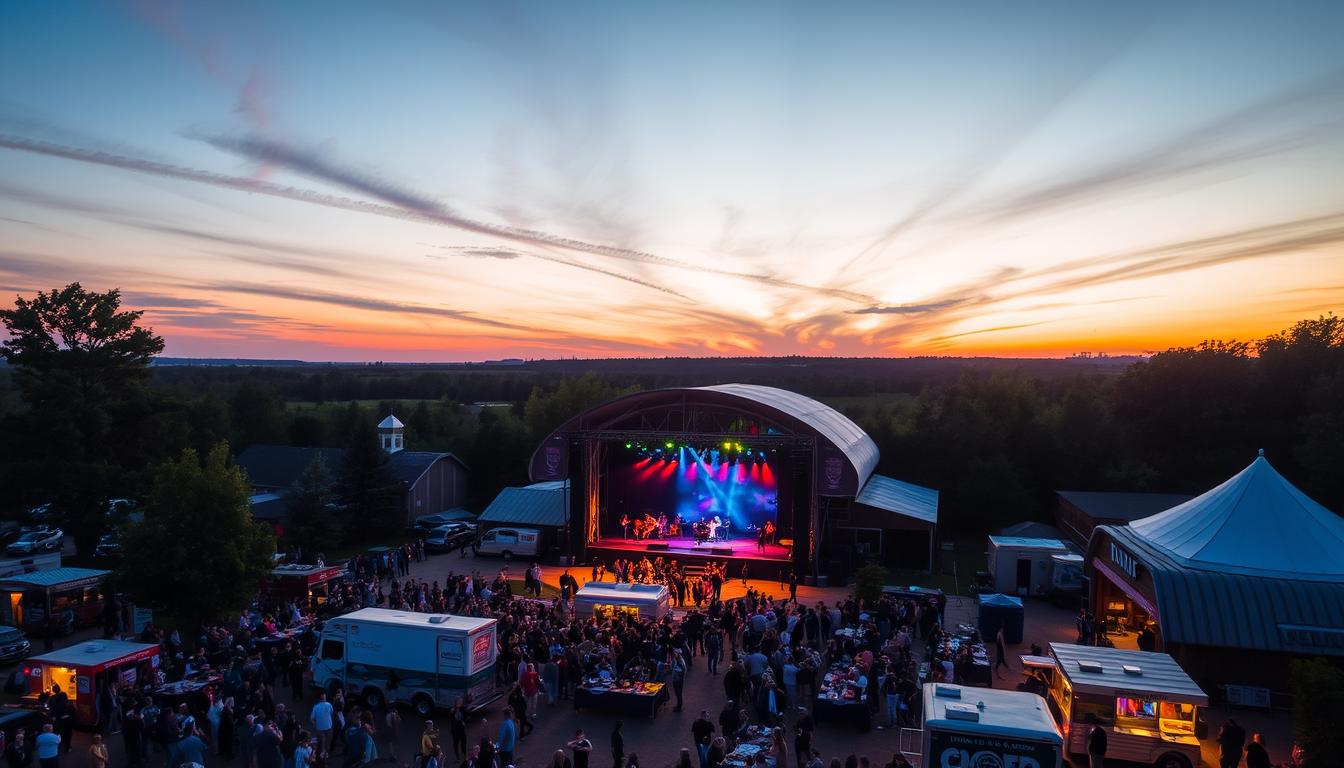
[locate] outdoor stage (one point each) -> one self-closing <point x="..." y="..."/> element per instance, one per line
<point x="775" y="559"/>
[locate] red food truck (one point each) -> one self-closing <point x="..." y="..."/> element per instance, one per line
<point x="301" y="582"/>
<point x="83" y="670"/>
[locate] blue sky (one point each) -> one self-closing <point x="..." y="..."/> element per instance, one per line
<point x="540" y="179"/>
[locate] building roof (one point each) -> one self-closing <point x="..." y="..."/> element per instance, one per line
<point x="907" y="499"/>
<point x="1121" y="507"/>
<point x="1231" y="609"/>
<point x="280" y="466"/>
<point x="1256" y="523"/>
<point x="1014" y="714"/>
<point x="536" y="504"/>
<point x="836" y="427"/>
<point x="93" y="652"/>
<point x="391" y="422"/>
<point x="1158" y="673"/>
<point x="54" y="577"/>
<point x="1026" y="542"/>
<point x="268" y="506"/>
<point x="1031" y="529"/>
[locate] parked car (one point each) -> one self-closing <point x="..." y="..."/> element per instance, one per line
<point x="109" y="546"/>
<point x="14" y="645"/>
<point x="448" y="537"/>
<point x="37" y="540"/>
<point x="509" y="542"/>
<point x="430" y="522"/>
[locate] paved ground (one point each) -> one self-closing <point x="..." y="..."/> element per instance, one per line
<point x="659" y="741"/>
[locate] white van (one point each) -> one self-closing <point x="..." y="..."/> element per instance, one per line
<point x="426" y="660"/>
<point x="509" y="542"/>
<point x="964" y="726"/>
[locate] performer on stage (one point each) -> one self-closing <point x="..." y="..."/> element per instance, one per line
<point x="625" y="525"/>
<point x="713" y="525"/>
<point x="760" y="543"/>
<point x="662" y="526"/>
<point x="769" y="531"/>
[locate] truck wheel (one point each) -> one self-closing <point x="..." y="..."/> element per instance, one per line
<point x="507" y="555"/>
<point x="1172" y="760"/>
<point x="424" y="706"/>
<point x="373" y="698"/>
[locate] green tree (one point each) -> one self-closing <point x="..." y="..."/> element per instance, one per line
<point x="544" y="411"/>
<point x="1318" y="709"/>
<point x="92" y="427"/>
<point x="868" y="582"/>
<point x="370" y="493"/>
<point x="198" y="554"/>
<point x="314" y="515"/>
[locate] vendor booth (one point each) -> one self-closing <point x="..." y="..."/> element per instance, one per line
<point x="1251" y="569"/>
<point x="1001" y="611"/>
<point x="302" y="582"/>
<point x="1147" y="703"/>
<point x="645" y="601"/>
<point x="63" y="598"/>
<point x="1023" y="566"/>
<point x="83" y="670"/>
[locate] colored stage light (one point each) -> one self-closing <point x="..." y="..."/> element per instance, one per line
<point x="668" y="445"/>
<point x="629" y="445"/>
<point x="727" y="446"/>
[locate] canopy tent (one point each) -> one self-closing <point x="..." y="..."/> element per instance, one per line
<point x="538" y="504"/>
<point x="1001" y="611"/>
<point x="1256" y="524"/>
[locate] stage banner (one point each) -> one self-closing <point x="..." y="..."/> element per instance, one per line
<point x="551" y="461"/>
<point x="835" y="475"/>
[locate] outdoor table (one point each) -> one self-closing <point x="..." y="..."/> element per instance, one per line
<point x="188" y="690"/>
<point x="852" y="711"/>
<point x="755" y="740"/>
<point x="640" y="698"/>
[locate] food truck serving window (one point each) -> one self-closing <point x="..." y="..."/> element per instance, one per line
<point x="1176" y="719"/>
<point x="603" y="610"/>
<point x="1127" y="709"/>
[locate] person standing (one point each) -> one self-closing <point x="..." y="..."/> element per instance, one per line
<point x="793" y="588"/>
<point x="457" y="729"/>
<point x="322" y="717"/>
<point x="617" y="745"/>
<point x="19" y="753"/>
<point x="392" y="723"/>
<point x="702" y="731"/>
<point x="1231" y="742"/>
<point x="581" y="747"/>
<point x="48" y="747"/>
<point x="678" y="674"/>
<point x="59" y="706"/>
<point x="1256" y="754"/>
<point x="1001" y="649"/>
<point x="1096" y="744"/>
<point x="508" y="738"/>
<point x="713" y="648"/>
<point x="98" y="752"/>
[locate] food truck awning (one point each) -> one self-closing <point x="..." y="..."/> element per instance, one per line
<point x="1037" y="662"/>
<point x="97" y="653"/>
<point x="64" y="578"/>
<point x="1119" y="672"/>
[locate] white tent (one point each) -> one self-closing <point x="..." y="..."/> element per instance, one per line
<point x="1255" y="524"/>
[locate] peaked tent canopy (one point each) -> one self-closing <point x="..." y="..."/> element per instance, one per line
<point x="1257" y="524"/>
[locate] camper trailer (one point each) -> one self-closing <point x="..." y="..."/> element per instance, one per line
<point x="964" y="726"/>
<point x="645" y="601"/>
<point x="425" y="660"/>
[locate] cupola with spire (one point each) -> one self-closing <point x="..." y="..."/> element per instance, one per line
<point x="391" y="434"/>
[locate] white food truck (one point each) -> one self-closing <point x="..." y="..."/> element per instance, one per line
<point x="423" y="659"/>
<point x="1148" y="705"/>
<point x="965" y="727"/>
<point x="646" y="601"/>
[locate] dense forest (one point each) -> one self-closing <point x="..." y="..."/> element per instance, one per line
<point x="996" y="437"/>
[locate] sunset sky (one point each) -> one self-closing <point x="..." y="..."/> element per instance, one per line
<point x="452" y="181"/>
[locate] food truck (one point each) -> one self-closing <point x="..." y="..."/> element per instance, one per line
<point x="645" y="601"/>
<point x="83" y="670"/>
<point x="426" y="660"/>
<point x="63" y="599"/>
<point x="302" y="582"/>
<point x="969" y="727"/>
<point x="1148" y="705"/>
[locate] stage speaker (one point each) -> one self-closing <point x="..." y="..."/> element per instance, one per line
<point x="727" y="551"/>
<point x="661" y="547"/>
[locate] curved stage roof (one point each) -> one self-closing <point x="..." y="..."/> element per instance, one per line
<point x="841" y="441"/>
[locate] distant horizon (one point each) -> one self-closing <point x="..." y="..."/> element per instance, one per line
<point x="474" y="181"/>
<point x="649" y="358"/>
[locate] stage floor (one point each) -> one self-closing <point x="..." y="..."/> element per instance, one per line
<point x="743" y="548"/>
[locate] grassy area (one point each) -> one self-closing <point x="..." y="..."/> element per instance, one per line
<point x="548" y="591"/>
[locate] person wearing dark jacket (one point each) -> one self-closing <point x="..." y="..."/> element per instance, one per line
<point x="1231" y="742"/>
<point x="1096" y="744"/>
<point x="617" y="745"/>
<point x="1256" y="754"/>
